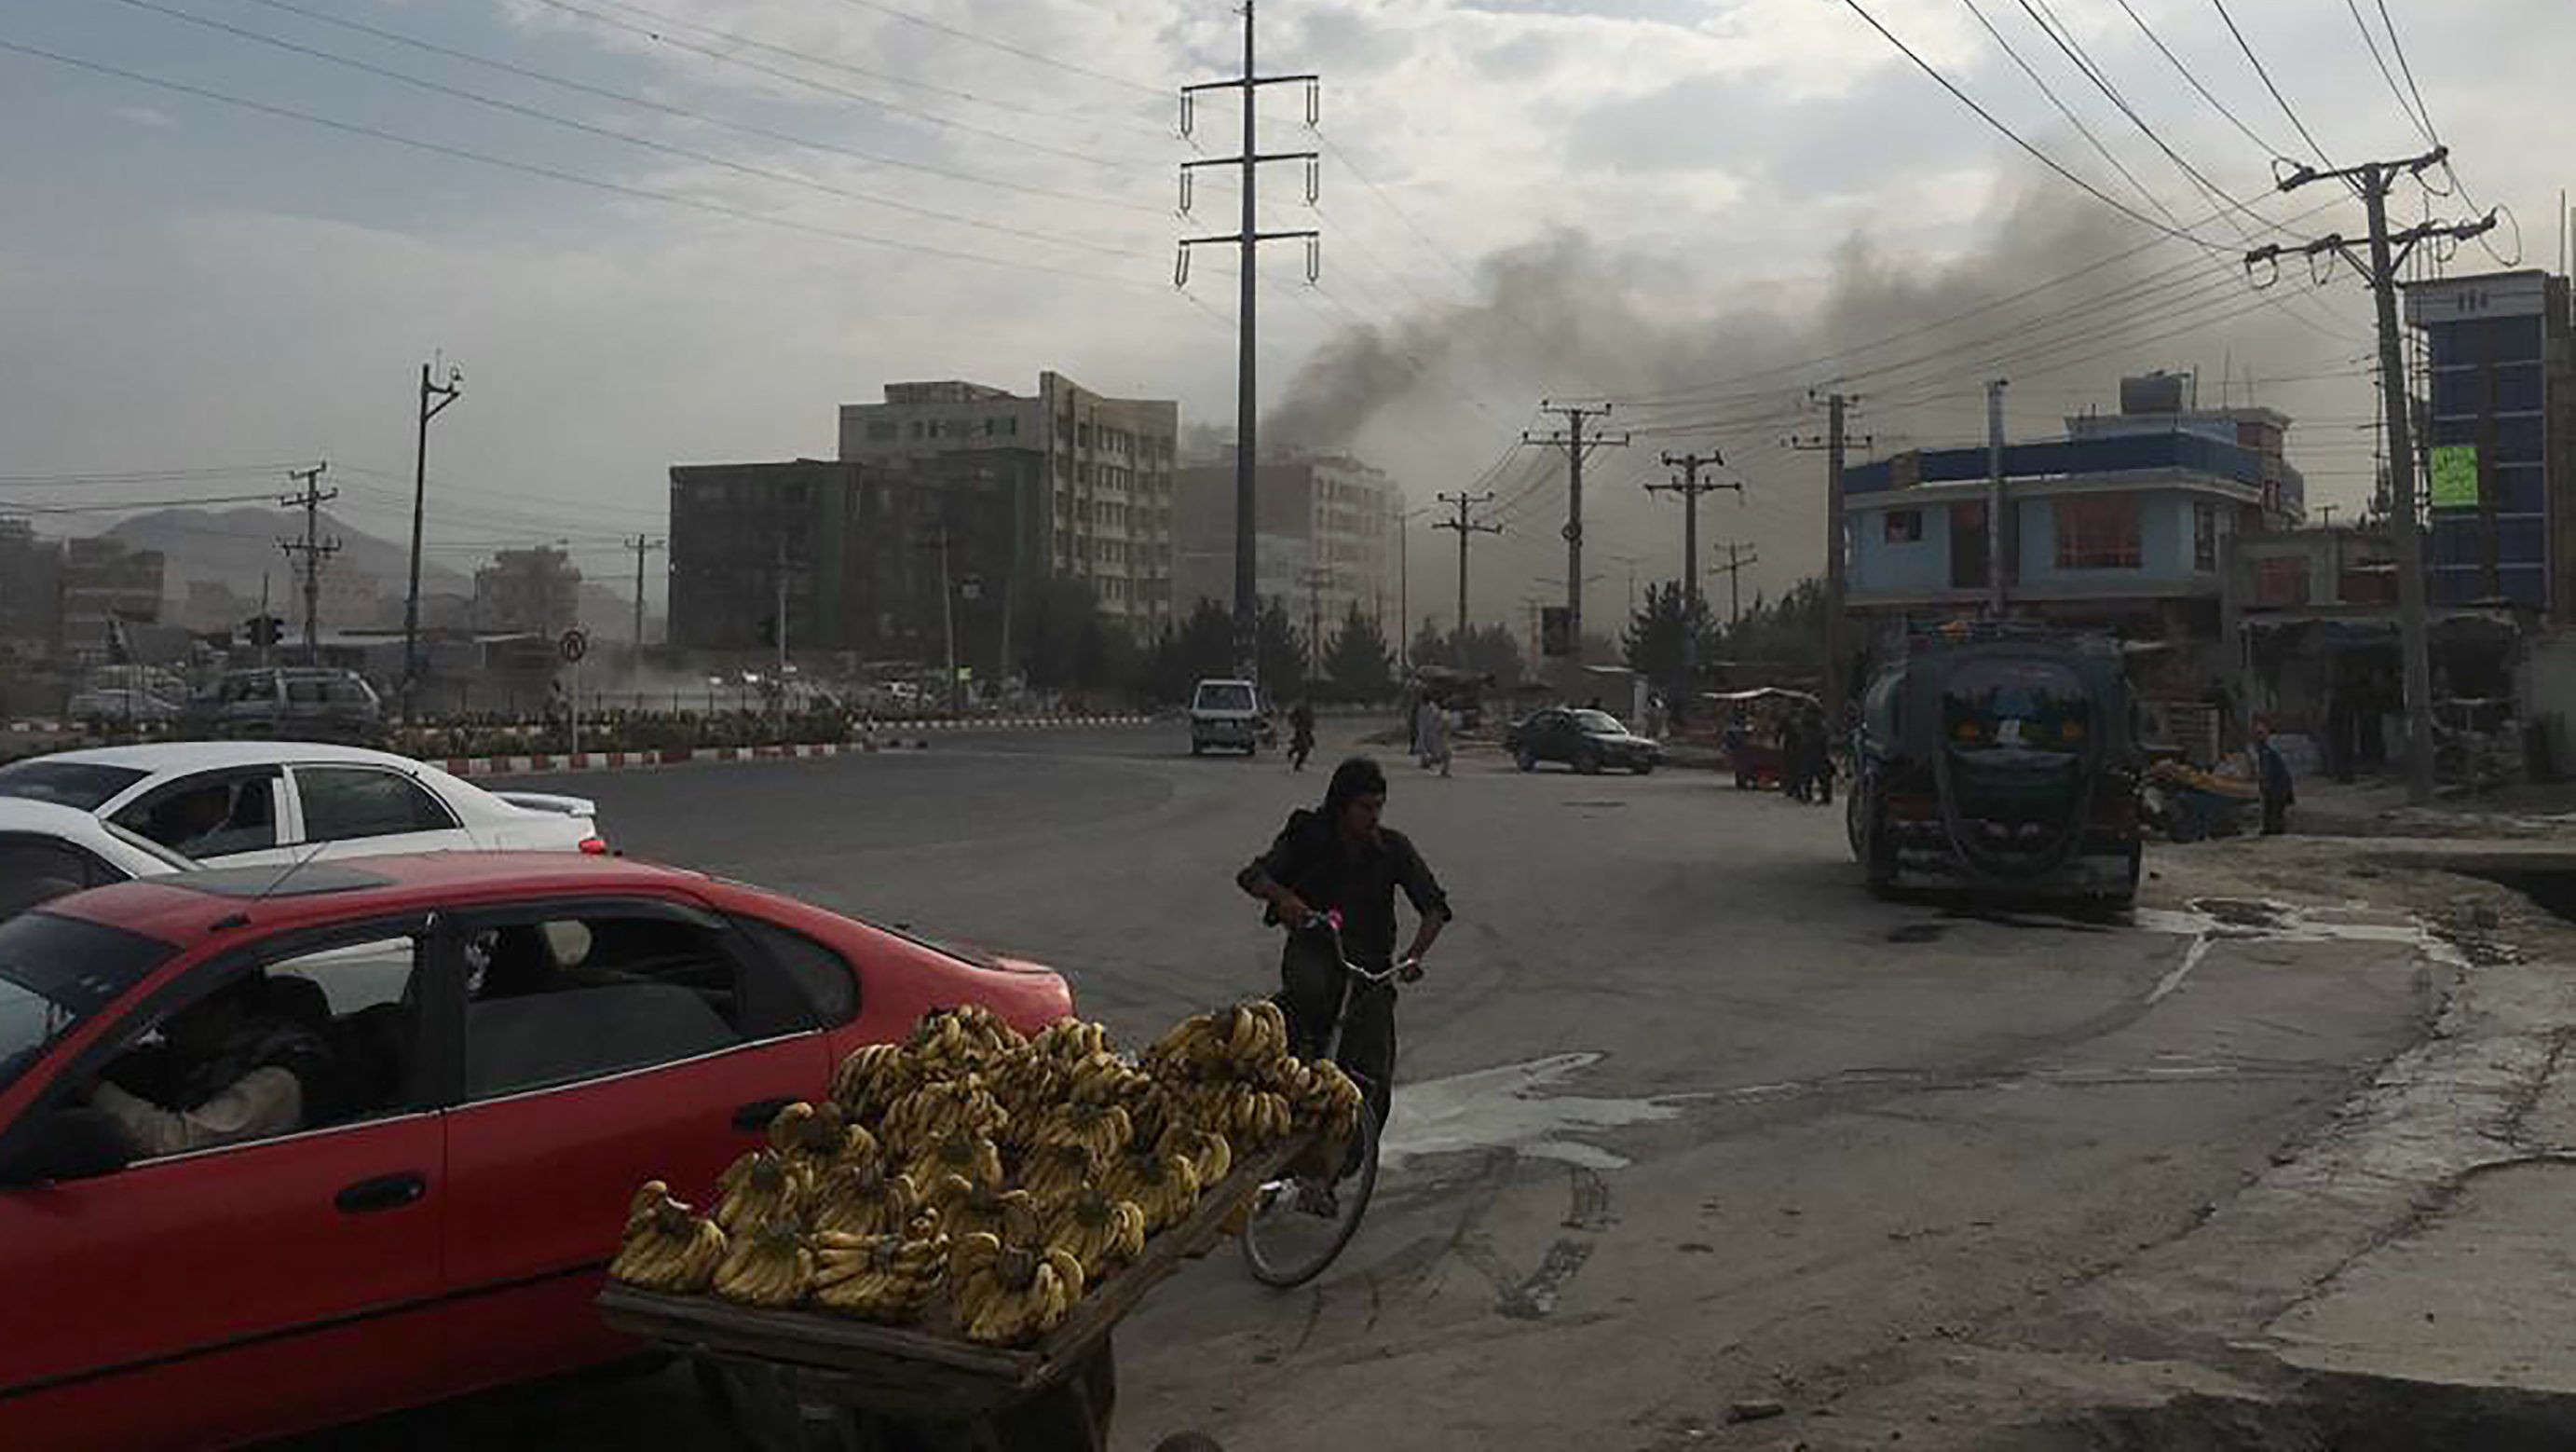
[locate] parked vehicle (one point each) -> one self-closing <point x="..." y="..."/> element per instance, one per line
<point x="290" y="704"/>
<point x="1589" y="741"/>
<point x="244" y="803"/>
<point x="2003" y="760"/>
<point x="516" y="1042"/>
<point x="1227" y="713"/>
<point x="47" y="850"/>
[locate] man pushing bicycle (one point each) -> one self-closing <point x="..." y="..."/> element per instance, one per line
<point x="1337" y="859"/>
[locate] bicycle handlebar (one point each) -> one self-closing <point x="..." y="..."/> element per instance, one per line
<point x="1405" y="970"/>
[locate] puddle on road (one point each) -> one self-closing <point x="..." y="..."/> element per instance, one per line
<point x="1508" y="1108"/>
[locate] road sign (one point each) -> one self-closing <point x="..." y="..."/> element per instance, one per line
<point x="574" y="644"/>
<point x="2455" y="476"/>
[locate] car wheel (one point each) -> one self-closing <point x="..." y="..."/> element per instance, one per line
<point x="1588" y="761"/>
<point x="1527" y="759"/>
<point x="1643" y="768"/>
<point x="1878" y="856"/>
<point x="1198" y="748"/>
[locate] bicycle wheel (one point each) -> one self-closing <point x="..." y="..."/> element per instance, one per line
<point x="1298" y="1226"/>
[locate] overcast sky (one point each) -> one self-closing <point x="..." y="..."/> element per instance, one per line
<point x="1651" y="198"/>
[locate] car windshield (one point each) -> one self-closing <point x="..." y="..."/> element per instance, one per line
<point x="1225" y="696"/>
<point x="55" y="972"/>
<point x="83" y="785"/>
<point x="2007" y="705"/>
<point x="1599" y="723"/>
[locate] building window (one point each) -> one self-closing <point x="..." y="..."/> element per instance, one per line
<point x="2204" y="536"/>
<point x="1905" y="526"/>
<point x="2097" y="532"/>
<point x="1082" y="437"/>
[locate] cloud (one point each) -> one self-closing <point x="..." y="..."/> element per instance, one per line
<point x="142" y="116"/>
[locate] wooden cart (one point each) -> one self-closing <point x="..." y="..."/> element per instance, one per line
<point x="896" y="1388"/>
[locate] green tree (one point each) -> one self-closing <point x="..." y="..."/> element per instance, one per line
<point x="1279" y="647"/>
<point x="1357" y="660"/>
<point x="1203" y="647"/>
<point x="1659" y="641"/>
<point x="1430" y="647"/>
<point x="1061" y="613"/>
<point x="1490" y="650"/>
<point x="1780" y="641"/>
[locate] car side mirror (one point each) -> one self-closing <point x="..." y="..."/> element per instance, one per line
<point x="77" y="1143"/>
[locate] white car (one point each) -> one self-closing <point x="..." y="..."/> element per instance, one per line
<point x="47" y="850"/>
<point x="249" y="803"/>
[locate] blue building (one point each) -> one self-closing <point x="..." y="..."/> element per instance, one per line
<point x="2120" y="524"/>
<point x="2499" y="400"/>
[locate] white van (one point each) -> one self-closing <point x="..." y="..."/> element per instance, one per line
<point x="1225" y="713"/>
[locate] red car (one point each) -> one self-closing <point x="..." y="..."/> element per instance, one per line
<point x="517" y="1042"/>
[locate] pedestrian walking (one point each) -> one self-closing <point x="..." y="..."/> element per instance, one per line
<point x="1301" y="734"/>
<point x="2272" y="774"/>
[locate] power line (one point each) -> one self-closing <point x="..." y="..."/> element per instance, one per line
<point x="703" y="118"/>
<point x="2422" y="127"/>
<point x="2283" y="101"/>
<point x="687" y="153"/>
<point x="2015" y="137"/>
<point x="143" y="476"/>
<point x="2206" y="94"/>
<point x="1039" y="57"/>
<point x="440" y="148"/>
<point x="2064" y="110"/>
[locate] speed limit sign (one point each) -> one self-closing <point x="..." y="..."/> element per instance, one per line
<point x="574" y="645"/>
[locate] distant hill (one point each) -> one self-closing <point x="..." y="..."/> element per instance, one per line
<point x="235" y="546"/>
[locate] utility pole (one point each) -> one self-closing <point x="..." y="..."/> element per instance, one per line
<point x="1690" y="488"/>
<point x="640" y="544"/>
<point x="2372" y="181"/>
<point x="1466" y="530"/>
<point x="948" y="622"/>
<point x="1995" y="498"/>
<point x="1403" y="584"/>
<point x="1738" y="559"/>
<point x="1576" y="446"/>
<point x="267" y="640"/>
<point x="1316" y="578"/>
<point x="1837" y="444"/>
<point x="778" y="680"/>
<point x="1247" y="240"/>
<point x="445" y="394"/>
<point x="312" y="548"/>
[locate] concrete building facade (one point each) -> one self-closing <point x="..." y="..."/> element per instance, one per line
<point x="2498" y="401"/>
<point x="105" y="580"/>
<point x="1330" y="519"/>
<point x="535" y="589"/>
<point x="1108" y="465"/>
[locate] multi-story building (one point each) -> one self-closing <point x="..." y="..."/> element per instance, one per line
<point x="1324" y="535"/>
<point x="1108" y="463"/>
<point x="2121" y="524"/>
<point x="2500" y="438"/>
<point x="863" y="548"/>
<point x="106" y="580"/>
<point x="31" y="591"/>
<point x="535" y="589"/>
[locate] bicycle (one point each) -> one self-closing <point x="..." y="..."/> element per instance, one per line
<point x="1299" y="1223"/>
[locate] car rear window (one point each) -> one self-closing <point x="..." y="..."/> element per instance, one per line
<point x="1232" y="696"/>
<point x="79" y="784"/>
<point x="55" y="972"/>
<point x="2030" y="705"/>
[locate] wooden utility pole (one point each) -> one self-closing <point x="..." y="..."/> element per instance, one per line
<point x="444" y="393"/>
<point x="1576" y="447"/>
<point x="312" y="550"/>
<point x="1465" y="530"/>
<point x="1836" y="445"/>
<point x="1738" y="559"/>
<point x="640" y="544"/>
<point x="2372" y="181"/>
<point x="1690" y="487"/>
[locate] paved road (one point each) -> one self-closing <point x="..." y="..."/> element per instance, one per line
<point x="1689" y="1117"/>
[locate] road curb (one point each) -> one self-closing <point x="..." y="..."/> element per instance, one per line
<point x="889" y="740"/>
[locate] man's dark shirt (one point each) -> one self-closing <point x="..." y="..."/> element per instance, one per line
<point x="1311" y="860"/>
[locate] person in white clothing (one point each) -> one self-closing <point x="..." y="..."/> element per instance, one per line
<point x="233" y="1066"/>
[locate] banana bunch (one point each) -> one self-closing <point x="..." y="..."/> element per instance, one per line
<point x="965" y="1206"/>
<point x="962" y="1039"/>
<point x="1056" y="1169"/>
<point x="761" y="1186"/>
<point x="1231" y="1043"/>
<point x="942" y="1108"/>
<point x="1253" y="1117"/>
<point x="1025" y="1084"/>
<point x="890" y="1277"/>
<point x="1070" y="1040"/>
<point x="1210" y="1155"/>
<point x="860" y="1198"/>
<point x="1164" y="1186"/>
<point x="666" y="1248"/>
<point x="768" y="1267"/>
<point x="1153" y="1108"/>
<point x="815" y="1135"/>
<point x="872" y="1078"/>
<point x="959" y="1152"/>
<point x="1100" y="1231"/>
<point x="1007" y="1294"/>
<point x="1102" y="1078"/>
<point x="1104" y="1129"/>
<point x="1331" y="1101"/>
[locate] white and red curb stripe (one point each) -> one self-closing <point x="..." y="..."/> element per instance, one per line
<point x="892" y="740"/>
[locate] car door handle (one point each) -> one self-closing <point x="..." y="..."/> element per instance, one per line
<point x="754" y="1117"/>
<point x="384" y="1192"/>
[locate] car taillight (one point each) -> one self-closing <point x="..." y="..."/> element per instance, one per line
<point x="594" y="846"/>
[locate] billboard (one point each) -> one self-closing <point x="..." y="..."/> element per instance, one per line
<point x="2455" y="476"/>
